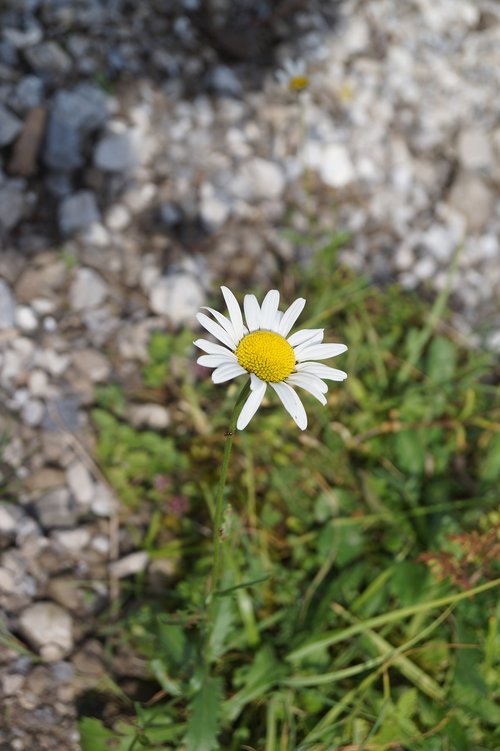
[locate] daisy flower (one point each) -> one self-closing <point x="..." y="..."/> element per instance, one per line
<point x="261" y="346"/>
<point x="293" y="75"/>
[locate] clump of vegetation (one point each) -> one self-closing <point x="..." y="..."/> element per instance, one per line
<point x="357" y="608"/>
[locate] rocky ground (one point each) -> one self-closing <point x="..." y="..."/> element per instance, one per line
<point x="146" y="150"/>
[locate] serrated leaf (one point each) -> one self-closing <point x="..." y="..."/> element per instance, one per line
<point x="94" y="736"/>
<point x="204" y="713"/>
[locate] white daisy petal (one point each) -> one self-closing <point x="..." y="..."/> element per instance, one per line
<point x="309" y="383"/>
<point x="313" y="341"/>
<point x="323" y="371"/>
<point x="210" y="347"/>
<point x="320" y="351"/>
<point x="291" y="403"/>
<point x="234" y="311"/>
<point x="251" y="405"/>
<point x="213" y="361"/>
<point x="252" y="312"/>
<point x="256" y="382"/>
<point x="227" y="372"/>
<point x="306" y="335"/>
<point x="225" y="323"/>
<point x="216" y="330"/>
<point x="269" y="309"/>
<point x="290" y="316"/>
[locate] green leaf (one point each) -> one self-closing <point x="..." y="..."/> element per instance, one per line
<point x="204" y="712"/>
<point x="264" y="672"/>
<point x="94" y="736"/>
<point x="410" y="451"/>
<point x="490" y="466"/>
<point x="441" y="360"/>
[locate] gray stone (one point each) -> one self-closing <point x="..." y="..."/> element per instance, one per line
<point x="27" y="95"/>
<point x="170" y="214"/>
<point x="78" y="212"/>
<point x="74" y="115"/>
<point x="63" y="412"/>
<point x="10" y="126"/>
<point x="7" y="306"/>
<point x="116" y="153"/>
<point x="48" y="628"/>
<point x="224" y="81"/>
<point x="48" y="58"/>
<point x="21" y="39"/>
<point x="88" y="290"/>
<point x="177" y="296"/>
<point x="12" y="204"/>
<point x="55" y="508"/>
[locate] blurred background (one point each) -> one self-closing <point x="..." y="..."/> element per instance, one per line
<point x="151" y="151"/>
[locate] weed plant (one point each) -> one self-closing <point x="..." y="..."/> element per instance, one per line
<point x="361" y="558"/>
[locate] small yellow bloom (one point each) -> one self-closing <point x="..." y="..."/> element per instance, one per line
<point x="293" y="75"/>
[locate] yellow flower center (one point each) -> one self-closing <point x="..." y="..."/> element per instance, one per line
<point x="266" y="354"/>
<point x="298" y="83"/>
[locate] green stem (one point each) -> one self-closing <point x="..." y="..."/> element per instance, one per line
<point x="219" y="501"/>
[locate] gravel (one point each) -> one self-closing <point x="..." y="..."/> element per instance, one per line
<point x="139" y="168"/>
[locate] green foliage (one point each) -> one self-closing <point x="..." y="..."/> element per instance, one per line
<point x="330" y="630"/>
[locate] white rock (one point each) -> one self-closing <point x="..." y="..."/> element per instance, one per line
<point x="38" y="383"/>
<point x="117" y="217"/>
<point x="51" y="361"/>
<point x="261" y="179"/>
<point x="336" y="169"/>
<point x="74" y="540"/>
<point x="149" y="416"/>
<point x="177" y="296"/>
<point x="475" y="149"/>
<point x="32" y="412"/>
<point x="441" y="242"/>
<point x="130" y="564"/>
<point x="80" y="483"/>
<point x="9" y="518"/>
<point x="425" y="268"/>
<point x="103" y="503"/>
<point x="26" y="318"/>
<point x="473" y="199"/>
<point x="214" y="209"/>
<point x="88" y="290"/>
<point x="48" y="628"/>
